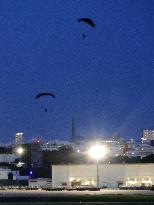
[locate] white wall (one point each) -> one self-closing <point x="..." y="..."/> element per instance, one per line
<point x="4" y="173"/>
<point x="82" y="170"/>
<point x="111" y="174"/>
<point x="7" y="158"/>
<point x="60" y="174"/>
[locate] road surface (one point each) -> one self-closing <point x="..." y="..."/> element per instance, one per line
<point x="43" y="193"/>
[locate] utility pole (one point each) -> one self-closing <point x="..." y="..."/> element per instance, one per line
<point x="73" y="131"/>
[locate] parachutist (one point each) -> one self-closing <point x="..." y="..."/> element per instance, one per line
<point x="87" y="21"/>
<point x="45" y="94"/>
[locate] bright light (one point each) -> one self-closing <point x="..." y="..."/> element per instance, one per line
<point x="20" y="164"/>
<point x="71" y="179"/>
<point x="97" y="151"/>
<point x="20" y="150"/>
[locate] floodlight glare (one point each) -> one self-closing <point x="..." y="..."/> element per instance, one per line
<point x="20" y="150"/>
<point x="97" y="151"/>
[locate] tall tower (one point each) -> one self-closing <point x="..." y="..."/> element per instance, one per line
<point x="18" y="138"/>
<point x="73" y="131"/>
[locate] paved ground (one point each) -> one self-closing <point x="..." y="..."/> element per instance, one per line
<point x="42" y="193"/>
<point x="77" y="203"/>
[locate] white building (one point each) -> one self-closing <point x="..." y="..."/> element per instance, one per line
<point x="7" y="158"/>
<point x="4" y="173"/>
<point x="110" y="175"/>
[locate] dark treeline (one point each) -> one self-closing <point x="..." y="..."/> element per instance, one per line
<point x="66" y="155"/>
<point x="5" y="150"/>
<point x="69" y="156"/>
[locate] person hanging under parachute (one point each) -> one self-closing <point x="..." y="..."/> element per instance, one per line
<point x="88" y="21"/>
<point x="45" y="94"/>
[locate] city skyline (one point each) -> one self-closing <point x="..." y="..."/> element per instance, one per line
<point x="101" y="76"/>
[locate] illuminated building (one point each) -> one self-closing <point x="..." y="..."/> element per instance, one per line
<point x="110" y="175"/>
<point x="18" y="138"/>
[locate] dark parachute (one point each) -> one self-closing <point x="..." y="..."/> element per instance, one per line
<point x="45" y="94"/>
<point x="88" y="21"/>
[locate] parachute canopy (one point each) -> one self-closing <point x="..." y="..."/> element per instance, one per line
<point x="88" y="21"/>
<point x="45" y="94"/>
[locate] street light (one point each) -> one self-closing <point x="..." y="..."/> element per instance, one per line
<point x="30" y="174"/>
<point x="20" y="150"/>
<point x="97" y="152"/>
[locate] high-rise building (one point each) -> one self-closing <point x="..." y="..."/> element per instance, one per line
<point x="18" y="138"/>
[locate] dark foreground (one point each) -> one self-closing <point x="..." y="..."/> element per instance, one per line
<point x="78" y="203"/>
<point x="39" y="197"/>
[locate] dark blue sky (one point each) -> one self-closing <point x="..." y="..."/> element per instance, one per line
<point x="105" y="81"/>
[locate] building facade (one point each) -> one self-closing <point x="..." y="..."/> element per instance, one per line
<point x="18" y="138"/>
<point x="4" y="174"/>
<point x="7" y="158"/>
<point x="109" y="175"/>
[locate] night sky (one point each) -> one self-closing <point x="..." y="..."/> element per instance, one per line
<point x="105" y="81"/>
